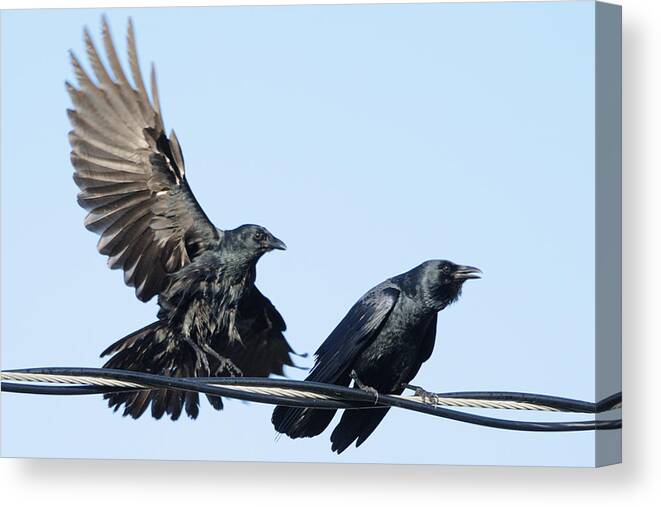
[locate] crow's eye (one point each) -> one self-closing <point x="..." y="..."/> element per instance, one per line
<point x="259" y="236"/>
<point x="446" y="269"/>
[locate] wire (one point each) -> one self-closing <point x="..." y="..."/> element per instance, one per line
<point x="296" y="393"/>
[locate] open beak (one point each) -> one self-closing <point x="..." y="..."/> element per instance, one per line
<point x="277" y="244"/>
<point x="466" y="273"/>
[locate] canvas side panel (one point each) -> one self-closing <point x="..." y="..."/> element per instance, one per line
<point x="608" y="139"/>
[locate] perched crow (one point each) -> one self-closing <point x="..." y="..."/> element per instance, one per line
<point x="380" y="344"/>
<point x="212" y="319"/>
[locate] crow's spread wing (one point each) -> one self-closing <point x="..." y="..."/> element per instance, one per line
<point x="131" y="175"/>
<point x="263" y="349"/>
<point x="353" y="334"/>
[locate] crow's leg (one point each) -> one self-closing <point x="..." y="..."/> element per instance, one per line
<point x="426" y="396"/>
<point x="226" y="364"/>
<point x="364" y="387"/>
<point x="201" y="361"/>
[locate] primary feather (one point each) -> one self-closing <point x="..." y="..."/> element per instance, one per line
<point x="131" y="175"/>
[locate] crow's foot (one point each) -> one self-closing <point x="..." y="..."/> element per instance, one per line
<point x="426" y="396"/>
<point x="225" y="365"/>
<point x="364" y="387"/>
<point x="201" y="361"/>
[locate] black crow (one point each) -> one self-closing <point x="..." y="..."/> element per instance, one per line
<point x="380" y="344"/>
<point x="212" y="320"/>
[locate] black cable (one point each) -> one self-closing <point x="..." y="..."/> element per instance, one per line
<point x="609" y="402"/>
<point x="354" y="397"/>
<point x="559" y="403"/>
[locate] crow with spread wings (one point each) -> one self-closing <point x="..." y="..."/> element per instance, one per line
<point x="212" y="319"/>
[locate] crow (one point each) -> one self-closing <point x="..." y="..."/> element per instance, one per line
<point x="380" y="344"/>
<point x="212" y="319"/>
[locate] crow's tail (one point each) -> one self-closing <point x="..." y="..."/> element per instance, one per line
<point x="356" y="425"/>
<point x="305" y="422"/>
<point x="153" y="350"/>
<point x="301" y="422"/>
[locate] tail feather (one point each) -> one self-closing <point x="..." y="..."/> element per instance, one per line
<point x="158" y="404"/>
<point x="301" y="422"/>
<point x="137" y="404"/>
<point x="192" y="405"/>
<point x="305" y="422"/>
<point x="215" y="401"/>
<point x="174" y="402"/>
<point x="356" y="425"/>
<point x="151" y="350"/>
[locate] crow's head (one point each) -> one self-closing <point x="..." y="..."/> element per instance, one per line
<point x="441" y="281"/>
<point x="253" y="241"/>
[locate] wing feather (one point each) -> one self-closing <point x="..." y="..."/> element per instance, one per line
<point x="264" y="349"/>
<point x="154" y="91"/>
<point x="106" y="83"/>
<point x="120" y="233"/>
<point x="130" y="174"/>
<point x="99" y="149"/>
<point x="105" y="140"/>
<point x="123" y="86"/>
<point x="99" y="219"/>
<point x="354" y="332"/>
<point x="334" y="358"/>
<point x="143" y="102"/>
<point x="97" y="100"/>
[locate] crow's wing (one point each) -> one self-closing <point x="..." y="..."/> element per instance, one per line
<point x="334" y="358"/>
<point x="356" y="330"/>
<point x="263" y="349"/>
<point x="428" y="338"/>
<point x="131" y="175"/>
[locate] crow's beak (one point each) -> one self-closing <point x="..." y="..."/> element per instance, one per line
<point x="277" y="244"/>
<point x="466" y="273"/>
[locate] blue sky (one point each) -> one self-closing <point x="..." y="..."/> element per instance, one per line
<point x="369" y="138"/>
